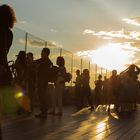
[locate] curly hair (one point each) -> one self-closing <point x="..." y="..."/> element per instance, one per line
<point x="7" y="16"/>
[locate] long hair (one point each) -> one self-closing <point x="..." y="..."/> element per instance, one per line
<point x="7" y="16"/>
<point x="21" y="58"/>
<point x="60" y="61"/>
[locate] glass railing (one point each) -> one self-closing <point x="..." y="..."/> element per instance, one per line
<point x="18" y="43"/>
<point x="34" y="45"/>
<point x="30" y="43"/>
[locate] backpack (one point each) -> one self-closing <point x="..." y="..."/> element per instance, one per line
<point x="68" y="77"/>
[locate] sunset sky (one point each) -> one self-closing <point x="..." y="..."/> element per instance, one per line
<point x="83" y="25"/>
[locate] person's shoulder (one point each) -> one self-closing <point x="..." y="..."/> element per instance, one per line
<point x="38" y="61"/>
<point x="64" y="68"/>
<point x="50" y="62"/>
<point x="10" y="32"/>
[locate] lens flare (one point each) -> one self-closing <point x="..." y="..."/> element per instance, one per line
<point x="23" y="100"/>
<point x="18" y="95"/>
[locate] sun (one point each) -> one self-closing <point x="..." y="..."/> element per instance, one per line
<point x="112" y="56"/>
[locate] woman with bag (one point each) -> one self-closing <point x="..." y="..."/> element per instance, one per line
<point x="59" y="87"/>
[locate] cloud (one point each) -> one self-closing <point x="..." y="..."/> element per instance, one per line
<point x="32" y="43"/>
<point x="120" y="34"/>
<point x="23" y="22"/>
<point x="38" y="43"/>
<point x="53" y="30"/>
<point x="132" y="21"/>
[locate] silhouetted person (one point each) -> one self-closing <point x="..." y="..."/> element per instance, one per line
<point x="30" y="78"/>
<point x="130" y="86"/>
<point x="20" y="66"/>
<point x="78" y="89"/>
<point x="133" y="72"/>
<point x="20" y="80"/>
<point x="86" y="91"/>
<point x="43" y="72"/>
<point x="7" y="20"/>
<point x="105" y="90"/>
<point x="59" y="87"/>
<point x="98" y="90"/>
<point x="114" y="82"/>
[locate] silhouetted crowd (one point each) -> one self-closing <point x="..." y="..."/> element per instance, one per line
<point x="122" y="90"/>
<point x="32" y="78"/>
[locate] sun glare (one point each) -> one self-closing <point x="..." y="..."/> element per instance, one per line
<point x="112" y="56"/>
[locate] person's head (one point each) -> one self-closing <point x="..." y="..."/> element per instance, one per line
<point x="7" y="16"/>
<point x="21" y="57"/>
<point x="60" y="61"/>
<point x="86" y="72"/>
<point x="45" y="53"/>
<point x="30" y="57"/>
<point x="77" y="72"/>
<point x="105" y="78"/>
<point x="100" y="77"/>
<point x="132" y="68"/>
<point x="114" y="72"/>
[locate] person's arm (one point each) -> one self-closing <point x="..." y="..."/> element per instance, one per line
<point x="137" y="69"/>
<point x="10" y="40"/>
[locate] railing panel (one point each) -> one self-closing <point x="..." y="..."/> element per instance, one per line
<point x="18" y="43"/>
<point x="68" y="62"/>
<point x="35" y="45"/>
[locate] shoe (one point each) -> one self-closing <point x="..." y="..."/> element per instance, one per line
<point x="59" y="114"/>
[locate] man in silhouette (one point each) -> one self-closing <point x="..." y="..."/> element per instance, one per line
<point x="30" y="78"/>
<point x="43" y="72"/>
<point x="78" y="89"/>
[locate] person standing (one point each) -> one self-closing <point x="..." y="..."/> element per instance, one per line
<point x="59" y="87"/>
<point x="20" y="67"/>
<point x="30" y="78"/>
<point x="78" y="89"/>
<point x="86" y="88"/>
<point x="7" y="21"/>
<point x="98" y="90"/>
<point x="44" y="65"/>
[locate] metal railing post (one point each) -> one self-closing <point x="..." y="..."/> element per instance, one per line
<point x="95" y="72"/>
<point x="26" y="41"/>
<point x="46" y="44"/>
<point x="71" y="69"/>
<point x="60" y="51"/>
<point x="81" y="64"/>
